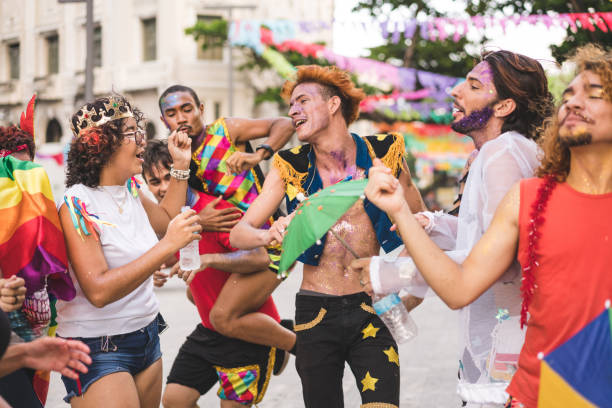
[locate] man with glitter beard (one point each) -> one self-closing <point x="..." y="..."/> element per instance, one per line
<point x="335" y="322"/>
<point x="558" y="226"/>
<point x="500" y="105"/>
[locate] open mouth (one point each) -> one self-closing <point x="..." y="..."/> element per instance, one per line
<point x="184" y="128"/>
<point x="299" y="123"/>
<point x="140" y="156"/>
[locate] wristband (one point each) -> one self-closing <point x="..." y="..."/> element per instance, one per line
<point x="179" y="174"/>
<point x="267" y="148"/>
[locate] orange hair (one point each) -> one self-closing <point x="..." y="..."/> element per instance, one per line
<point x="335" y="82"/>
<point x="556" y="159"/>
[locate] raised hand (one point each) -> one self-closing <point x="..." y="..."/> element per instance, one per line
<point x="12" y="293"/>
<point x="218" y="220"/>
<point x="241" y="161"/>
<point x="384" y="190"/>
<point x="179" y="146"/>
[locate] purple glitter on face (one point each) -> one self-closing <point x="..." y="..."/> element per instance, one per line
<point x="170" y="101"/>
<point x="474" y="121"/>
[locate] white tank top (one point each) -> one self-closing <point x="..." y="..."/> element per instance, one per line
<point x="129" y="239"/>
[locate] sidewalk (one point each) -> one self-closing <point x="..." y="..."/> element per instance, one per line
<point x="428" y="362"/>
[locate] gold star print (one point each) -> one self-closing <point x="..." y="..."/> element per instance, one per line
<point x="392" y="355"/>
<point x="370" y="331"/>
<point x="369" y="382"/>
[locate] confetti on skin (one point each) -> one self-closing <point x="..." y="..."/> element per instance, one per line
<point x="478" y="119"/>
<point x="320" y="207"/>
<point x="170" y="101"/>
<point x="483" y="73"/>
<point x="331" y="275"/>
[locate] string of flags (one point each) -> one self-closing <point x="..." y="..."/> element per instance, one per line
<point x="438" y="28"/>
<point x="441" y="28"/>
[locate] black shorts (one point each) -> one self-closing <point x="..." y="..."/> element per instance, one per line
<point x="332" y="330"/>
<point x="242" y="369"/>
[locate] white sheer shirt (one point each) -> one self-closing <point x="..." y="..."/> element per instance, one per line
<point x="491" y="335"/>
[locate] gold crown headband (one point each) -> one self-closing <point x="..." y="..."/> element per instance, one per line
<point x="100" y="112"/>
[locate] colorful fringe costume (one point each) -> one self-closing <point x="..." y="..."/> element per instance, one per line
<point x="210" y="158"/>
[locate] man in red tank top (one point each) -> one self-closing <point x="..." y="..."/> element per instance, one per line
<point x="558" y="225"/>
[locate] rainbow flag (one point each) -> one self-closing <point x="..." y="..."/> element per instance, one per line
<point x="31" y="237"/>
<point x="578" y="373"/>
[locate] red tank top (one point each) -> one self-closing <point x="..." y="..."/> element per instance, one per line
<point x="574" y="277"/>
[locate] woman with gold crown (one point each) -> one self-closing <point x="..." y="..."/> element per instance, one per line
<point x="110" y="232"/>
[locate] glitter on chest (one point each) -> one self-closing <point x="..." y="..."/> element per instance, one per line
<point x="356" y="229"/>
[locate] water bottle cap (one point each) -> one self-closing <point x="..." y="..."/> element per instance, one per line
<point x="386" y="303"/>
<point x="185" y="208"/>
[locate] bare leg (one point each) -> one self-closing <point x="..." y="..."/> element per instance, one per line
<point x="233" y="314"/>
<point x="149" y="385"/>
<point x="113" y="390"/>
<point x="180" y="396"/>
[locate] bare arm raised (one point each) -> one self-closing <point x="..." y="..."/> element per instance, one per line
<point x="242" y="262"/>
<point x="457" y="284"/>
<point x="179" y="145"/>
<point x="247" y="234"/>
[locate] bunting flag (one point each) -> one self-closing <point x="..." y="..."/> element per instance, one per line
<point x="246" y="32"/>
<point x="377" y="73"/>
<point x="31" y="238"/>
<point x="442" y="28"/>
<point x="435" y="147"/>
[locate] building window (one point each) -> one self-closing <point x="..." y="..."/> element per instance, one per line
<point x="97" y="46"/>
<point x="211" y="52"/>
<point x="151" y="131"/>
<point x="53" y="54"/>
<point x="54" y="131"/>
<point x="13" y="52"/>
<point x="149" y="40"/>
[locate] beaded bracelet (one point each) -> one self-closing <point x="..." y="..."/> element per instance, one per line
<point x="179" y="174"/>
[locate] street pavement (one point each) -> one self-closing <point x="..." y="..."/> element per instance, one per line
<point x="428" y="362"/>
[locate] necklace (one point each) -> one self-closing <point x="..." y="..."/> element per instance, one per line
<point x="117" y="203"/>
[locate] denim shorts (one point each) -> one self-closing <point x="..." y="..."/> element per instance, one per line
<point x="130" y="352"/>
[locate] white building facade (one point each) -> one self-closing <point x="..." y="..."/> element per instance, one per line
<point x="140" y="48"/>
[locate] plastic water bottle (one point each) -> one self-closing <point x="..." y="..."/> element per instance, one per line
<point x="189" y="256"/>
<point x="393" y="313"/>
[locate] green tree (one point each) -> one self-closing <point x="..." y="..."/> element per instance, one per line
<point x="444" y="57"/>
<point x="573" y="40"/>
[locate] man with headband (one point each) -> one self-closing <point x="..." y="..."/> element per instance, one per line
<point x="500" y="105"/>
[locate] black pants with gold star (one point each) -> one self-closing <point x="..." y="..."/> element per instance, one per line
<point x="332" y="330"/>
